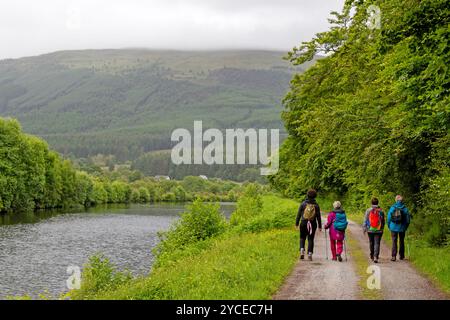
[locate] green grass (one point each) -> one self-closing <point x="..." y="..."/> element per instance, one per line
<point x="248" y="261"/>
<point x="276" y="213"/>
<point x="433" y="262"/>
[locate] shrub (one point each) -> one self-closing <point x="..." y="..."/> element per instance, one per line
<point x="180" y="193"/>
<point x="99" y="194"/>
<point x="144" y="195"/>
<point x="248" y="206"/>
<point x="436" y="235"/>
<point x="135" y="196"/>
<point x="436" y="206"/>
<point x="276" y="213"/>
<point x="169" y="197"/>
<point x="200" y="222"/>
<point x="99" y="275"/>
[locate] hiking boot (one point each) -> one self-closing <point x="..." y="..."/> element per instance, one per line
<point x="371" y="257"/>
<point x="334" y="259"/>
<point x="393" y="258"/>
<point x="302" y="254"/>
<point x="402" y="258"/>
<point x="375" y="260"/>
<point x="339" y="258"/>
<point x="310" y="256"/>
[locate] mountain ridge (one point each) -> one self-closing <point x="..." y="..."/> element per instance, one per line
<point x="126" y="102"/>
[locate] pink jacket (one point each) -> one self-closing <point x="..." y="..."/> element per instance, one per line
<point x="334" y="234"/>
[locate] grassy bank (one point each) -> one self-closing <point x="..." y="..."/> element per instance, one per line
<point x="248" y="260"/>
<point x="432" y="262"/>
<point x="246" y="266"/>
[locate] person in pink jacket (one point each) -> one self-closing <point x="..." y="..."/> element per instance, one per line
<point x="336" y="236"/>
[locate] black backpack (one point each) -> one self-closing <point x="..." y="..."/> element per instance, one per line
<point x="397" y="216"/>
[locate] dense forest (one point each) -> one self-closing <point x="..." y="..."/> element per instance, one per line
<point x="34" y="177"/>
<point x="373" y="117"/>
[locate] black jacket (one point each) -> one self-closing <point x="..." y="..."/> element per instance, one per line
<point x="301" y="209"/>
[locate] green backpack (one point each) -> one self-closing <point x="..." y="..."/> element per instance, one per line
<point x="310" y="211"/>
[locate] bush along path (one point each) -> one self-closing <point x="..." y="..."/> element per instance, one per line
<point x="327" y="279"/>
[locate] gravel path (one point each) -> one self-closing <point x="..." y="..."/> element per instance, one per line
<point x="323" y="279"/>
<point x="399" y="279"/>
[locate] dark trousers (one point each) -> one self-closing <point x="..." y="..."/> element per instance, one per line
<point x="374" y="244"/>
<point x="401" y="237"/>
<point x="304" y="233"/>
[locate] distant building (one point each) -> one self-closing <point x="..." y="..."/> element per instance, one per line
<point x="203" y="177"/>
<point x="162" y="177"/>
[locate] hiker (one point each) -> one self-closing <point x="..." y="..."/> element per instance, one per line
<point x="374" y="225"/>
<point x="337" y="223"/>
<point x="398" y="222"/>
<point x="308" y="218"/>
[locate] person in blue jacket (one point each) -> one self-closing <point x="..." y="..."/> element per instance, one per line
<point x="398" y="221"/>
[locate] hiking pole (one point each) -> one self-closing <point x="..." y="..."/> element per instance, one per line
<point x="407" y="246"/>
<point x="345" y="249"/>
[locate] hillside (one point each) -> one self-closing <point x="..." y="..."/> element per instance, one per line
<point x="127" y="102"/>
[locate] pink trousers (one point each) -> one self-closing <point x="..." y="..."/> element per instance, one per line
<point x="336" y="243"/>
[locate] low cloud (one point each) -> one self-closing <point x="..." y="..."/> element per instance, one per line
<point x="35" y="27"/>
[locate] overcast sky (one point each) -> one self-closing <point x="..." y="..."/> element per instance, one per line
<point x="30" y="27"/>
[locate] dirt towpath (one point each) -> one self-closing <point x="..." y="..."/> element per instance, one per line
<point x="323" y="279"/>
<point x="399" y="279"/>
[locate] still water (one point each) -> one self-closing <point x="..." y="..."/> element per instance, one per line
<point x="37" y="248"/>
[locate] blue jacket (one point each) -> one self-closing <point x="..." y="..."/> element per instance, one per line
<point x="399" y="227"/>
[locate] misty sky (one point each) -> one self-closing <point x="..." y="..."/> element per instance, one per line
<point x="30" y="27"/>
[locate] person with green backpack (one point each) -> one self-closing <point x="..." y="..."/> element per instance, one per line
<point x="374" y="225"/>
<point x="398" y="222"/>
<point x="307" y="221"/>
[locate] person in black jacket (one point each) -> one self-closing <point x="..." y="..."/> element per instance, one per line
<point x="308" y="218"/>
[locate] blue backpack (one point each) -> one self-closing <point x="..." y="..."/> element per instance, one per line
<point x="340" y="223"/>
